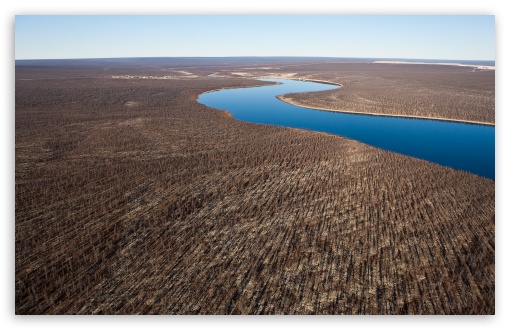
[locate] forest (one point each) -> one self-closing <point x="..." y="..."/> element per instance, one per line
<point x="133" y="198"/>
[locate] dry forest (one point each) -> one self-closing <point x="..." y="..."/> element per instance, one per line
<point x="132" y="198"/>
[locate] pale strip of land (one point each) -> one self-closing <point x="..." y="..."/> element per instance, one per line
<point x="481" y="67"/>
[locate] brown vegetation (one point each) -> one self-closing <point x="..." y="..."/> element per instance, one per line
<point x="132" y="198"/>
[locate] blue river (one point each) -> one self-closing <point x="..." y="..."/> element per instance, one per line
<point x="466" y="147"/>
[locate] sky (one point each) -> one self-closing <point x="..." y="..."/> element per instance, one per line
<point x="452" y="37"/>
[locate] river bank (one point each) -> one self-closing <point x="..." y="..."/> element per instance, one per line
<point x="289" y="100"/>
<point x="456" y="144"/>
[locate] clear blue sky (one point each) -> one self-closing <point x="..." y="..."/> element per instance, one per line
<point x="425" y="37"/>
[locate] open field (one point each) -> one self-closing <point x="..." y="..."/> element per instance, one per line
<point x="132" y="198"/>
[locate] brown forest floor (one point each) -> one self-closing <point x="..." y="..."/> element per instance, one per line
<point x="132" y="198"/>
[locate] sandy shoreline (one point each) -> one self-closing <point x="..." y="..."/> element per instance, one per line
<point x="290" y="101"/>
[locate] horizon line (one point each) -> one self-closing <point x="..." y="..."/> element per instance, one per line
<point x="247" y="56"/>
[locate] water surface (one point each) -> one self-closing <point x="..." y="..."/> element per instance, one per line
<point x="461" y="146"/>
